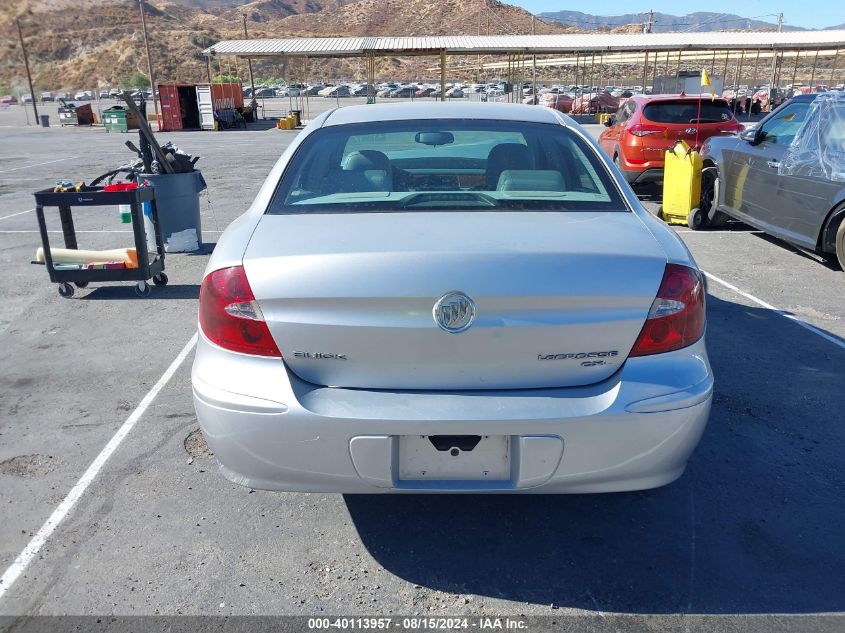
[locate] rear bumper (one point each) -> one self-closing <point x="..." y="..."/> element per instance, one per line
<point x="270" y="430"/>
<point x="653" y="174"/>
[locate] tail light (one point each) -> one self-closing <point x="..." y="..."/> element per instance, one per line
<point x="643" y="129"/>
<point x="677" y="316"/>
<point x="230" y="317"/>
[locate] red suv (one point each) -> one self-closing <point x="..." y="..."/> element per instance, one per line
<point x="646" y="126"/>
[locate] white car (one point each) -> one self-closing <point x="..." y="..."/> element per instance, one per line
<point x="450" y="298"/>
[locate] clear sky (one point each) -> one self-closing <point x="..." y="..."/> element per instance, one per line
<point x="807" y="13"/>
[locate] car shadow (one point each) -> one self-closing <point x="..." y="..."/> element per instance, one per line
<point x="753" y="526"/>
<point x="127" y="291"/>
<point x="815" y="257"/>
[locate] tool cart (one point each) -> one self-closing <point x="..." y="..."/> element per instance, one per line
<point x="147" y="263"/>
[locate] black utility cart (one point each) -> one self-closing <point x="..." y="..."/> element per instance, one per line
<point x="96" y="197"/>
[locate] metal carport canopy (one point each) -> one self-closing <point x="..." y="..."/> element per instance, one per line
<point x="531" y="44"/>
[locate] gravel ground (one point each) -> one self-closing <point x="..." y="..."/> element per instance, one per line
<point x="753" y="528"/>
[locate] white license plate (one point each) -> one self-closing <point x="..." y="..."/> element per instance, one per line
<point x="449" y="458"/>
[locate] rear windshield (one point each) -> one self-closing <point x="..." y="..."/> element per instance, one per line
<point x="686" y="111"/>
<point x="444" y="164"/>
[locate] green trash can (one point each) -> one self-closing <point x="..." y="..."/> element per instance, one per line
<point x="119" y="119"/>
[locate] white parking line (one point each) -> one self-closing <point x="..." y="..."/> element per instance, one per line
<point x="40" y="539"/>
<point x="49" y="162"/>
<point x="831" y="339"/>
<point x="16" y="214"/>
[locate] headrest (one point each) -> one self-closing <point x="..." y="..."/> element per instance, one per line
<point x="366" y="160"/>
<point x="531" y="180"/>
<point x="511" y="153"/>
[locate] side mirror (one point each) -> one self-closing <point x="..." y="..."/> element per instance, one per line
<point x="750" y="135"/>
<point x="609" y="122"/>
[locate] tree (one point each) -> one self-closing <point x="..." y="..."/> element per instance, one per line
<point x="137" y="80"/>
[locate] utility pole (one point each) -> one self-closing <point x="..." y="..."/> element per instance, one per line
<point x="149" y="60"/>
<point x="249" y="62"/>
<point x="650" y="23"/>
<point x="772" y="88"/>
<point x="28" y="74"/>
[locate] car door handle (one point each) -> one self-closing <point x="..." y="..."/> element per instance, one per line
<point x="774" y="164"/>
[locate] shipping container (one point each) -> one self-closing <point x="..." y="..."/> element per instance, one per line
<point x="187" y="107"/>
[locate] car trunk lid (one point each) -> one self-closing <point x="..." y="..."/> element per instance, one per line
<point x="349" y="298"/>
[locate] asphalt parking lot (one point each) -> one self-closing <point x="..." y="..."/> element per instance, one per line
<point x="754" y="527"/>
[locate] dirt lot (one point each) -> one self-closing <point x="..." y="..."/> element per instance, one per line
<point x="754" y="527"/>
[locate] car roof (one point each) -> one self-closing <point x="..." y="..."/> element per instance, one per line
<point x="805" y="97"/>
<point x="673" y="97"/>
<point x="416" y="111"/>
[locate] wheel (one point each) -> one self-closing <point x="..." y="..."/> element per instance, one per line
<point x="840" y="245"/>
<point x="695" y="220"/>
<point x="708" y="199"/>
<point x="160" y="279"/>
<point x="80" y="284"/>
<point x="142" y="289"/>
<point x="66" y="290"/>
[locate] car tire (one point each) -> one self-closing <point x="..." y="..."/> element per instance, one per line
<point x="707" y="199"/>
<point x="840" y="244"/>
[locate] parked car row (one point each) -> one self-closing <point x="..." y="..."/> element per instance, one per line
<point x="84" y="95"/>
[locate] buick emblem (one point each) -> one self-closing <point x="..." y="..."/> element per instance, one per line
<point x="454" y="312"/>
<point x="690" y="130"/>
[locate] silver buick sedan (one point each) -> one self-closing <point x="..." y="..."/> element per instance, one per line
<point x="450" y="298"/>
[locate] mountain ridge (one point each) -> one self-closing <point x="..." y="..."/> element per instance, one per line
<point x="697" y="22"/>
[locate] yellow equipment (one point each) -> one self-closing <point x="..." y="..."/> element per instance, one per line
<point x="682" y="186"/>
<point x="287" y="123"/>
<point x="601" y="117"/>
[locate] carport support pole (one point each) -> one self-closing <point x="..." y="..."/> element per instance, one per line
<point x="28" y="75"/>
<point x="833" y="67"/>
<point x="653" y="72"/>
<point x="813" y="74"/>
<point x="774" y="75"/>
<point x="149" y="59"/>
<point x="249" y="62"/>
<point x="756" y="64"/>
<point x="645" y="70"/>
<point x="737" y="76"/>
<point x="795" y="70"/>
<point x="443" y="74"/>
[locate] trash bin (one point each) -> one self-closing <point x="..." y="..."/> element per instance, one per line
<point x="298" y="115"/>
<point x="177" y="200"/>
<point x="45" y="120"/>
<point x="682" y="185"/>
<point x="119" y="119"/>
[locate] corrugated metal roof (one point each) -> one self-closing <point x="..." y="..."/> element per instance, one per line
<point x="532" y="44"/>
